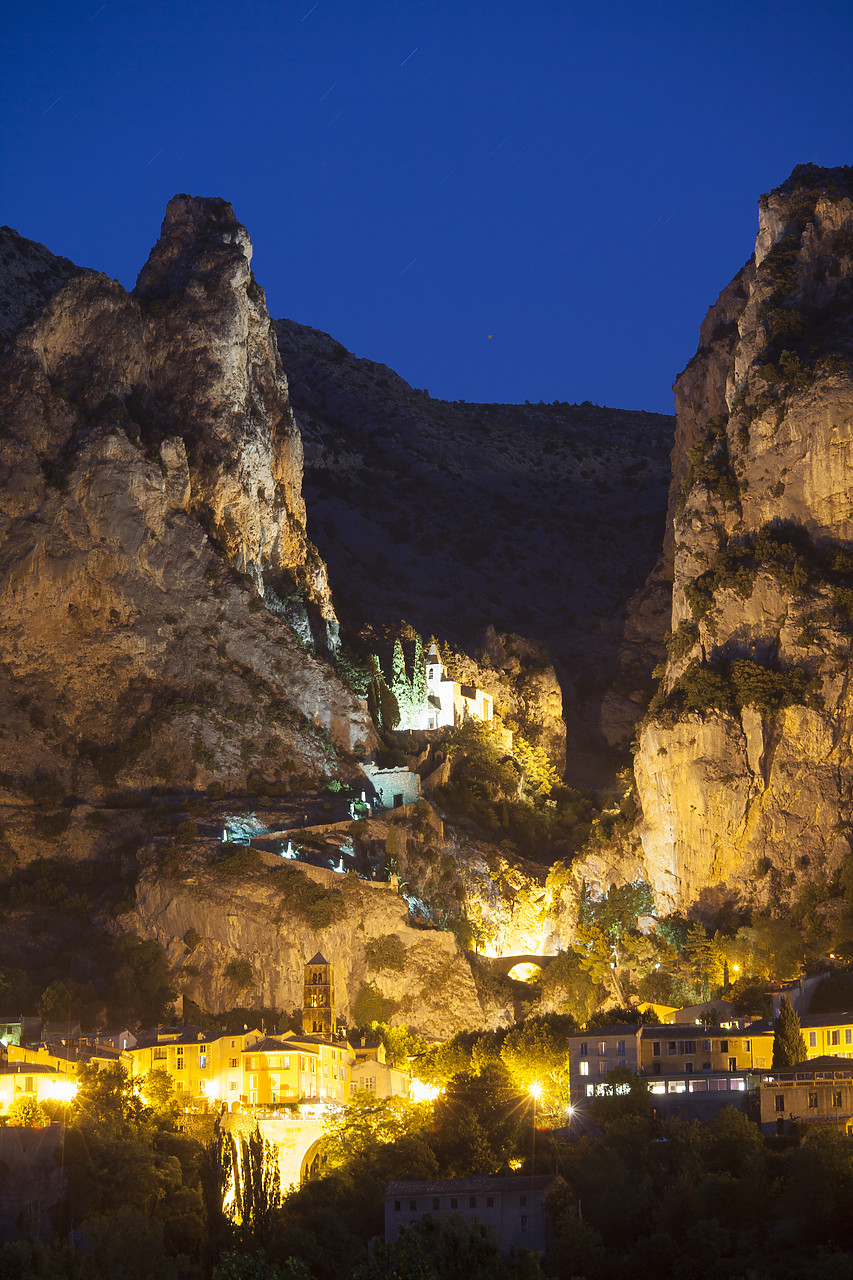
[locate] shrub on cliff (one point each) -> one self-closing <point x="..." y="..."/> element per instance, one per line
<point x="387" y="952"/>
<point x="319" y="907"/>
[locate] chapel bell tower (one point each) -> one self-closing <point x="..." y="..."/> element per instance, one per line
<point x="318" y="1005"/>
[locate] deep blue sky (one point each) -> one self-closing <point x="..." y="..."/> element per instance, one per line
<point x="578" y="180"/>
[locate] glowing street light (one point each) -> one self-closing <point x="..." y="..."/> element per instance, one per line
<point x="535" y="1093"/>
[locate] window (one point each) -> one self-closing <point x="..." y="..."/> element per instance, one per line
<point x="620" y="1046"/>
<point x="490" y="1202"/>
<point x="285" y="1062"/>
<point x="671" y="1048"/>
<point x="253" y="1064"/>
<point x="835" y="1037"/>
<point x="724" y="1046"/>
<point x="812" y="1039"/>
<point x="28" y="1084"/>
<point x="253" y="1082"/>
<point x="813" y="1101"/>
<point x="687" y="1046"/>
<point x="779" y="1102"/>
<point x="472" y="1202"/>
<point x="454" y="1203"/>
<point x="747" y="1046"/>
<point x="202" y="1061"/>
<point x="159" y="1054"/>
<point x="602" y="1068"/>
<point x="274" y="1062"/>
<point x="623" y="1062"/>
<point x="590" y="1090"/>
<point x="732" y="1064"/>
<point x="706" y="1066"/>
<point x="584" y="1049"/>
<point x="848" y="1036"/>
<point x="180" y="1086"/>
<point x="179" y="1064"/>
<point x="436" y="1202"/>
<point x="656" y="1048"/>
<point x="232" y="1088"/>
<point x="836" y="1099"/>
<point x="233" y="1062"/>
<point x="602" y="1047"/>
<point x="396" y="1206"/>
<point x="413" y="1204"/>
<point x="583" y="1068"/>
<point x="688" y="1067"/>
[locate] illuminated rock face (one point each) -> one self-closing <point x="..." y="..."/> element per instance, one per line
<point x="150" y="494"/>
<point x="248" y="920"/>
<point x="745" y="796"/>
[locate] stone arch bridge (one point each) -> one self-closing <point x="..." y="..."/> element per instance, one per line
<point x="505" y="964"/>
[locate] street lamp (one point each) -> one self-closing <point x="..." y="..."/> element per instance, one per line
<point x="536" y="1094"/>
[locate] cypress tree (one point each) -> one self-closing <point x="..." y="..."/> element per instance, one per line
<point x="789" y="1043"/>
<point x="420" y="693"/>
<point x="400" y="686"/>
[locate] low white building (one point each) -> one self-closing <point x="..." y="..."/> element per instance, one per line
<point x="449" y="703"/>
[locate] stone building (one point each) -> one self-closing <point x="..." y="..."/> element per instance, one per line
<point x="511" y="1208"/>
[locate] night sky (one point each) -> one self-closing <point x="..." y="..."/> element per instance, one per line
<point x="577" y="180"/>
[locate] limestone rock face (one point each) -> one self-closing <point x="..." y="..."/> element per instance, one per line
<point x="744" y="771"/>
<point x="249" y="921"/>
<point x="150" y="474"/>
<point x="213" y="366"/>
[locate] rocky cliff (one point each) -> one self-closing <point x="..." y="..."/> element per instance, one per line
<point x="151" y="522"/>
<point x="420" y="976"/>
<point x="744" y="768"/>
<point x="534" y="519"/>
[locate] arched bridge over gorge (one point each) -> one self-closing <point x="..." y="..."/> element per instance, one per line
<point x="505" y="964"/>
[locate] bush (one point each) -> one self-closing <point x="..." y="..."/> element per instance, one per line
<point x="192" y="938"/>
<point x="240" y="971"/>
<point x="387" y="952"/>
<point x="318" y="907"/>
<point x="371" y="1006"/>
<point x="238" y="861"/>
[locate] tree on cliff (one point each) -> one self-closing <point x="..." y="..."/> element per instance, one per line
<point x="381" y="703"/>
<point x="789" y="1044"/>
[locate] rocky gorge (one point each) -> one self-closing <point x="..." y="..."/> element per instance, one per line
<point x="170" y="652"/>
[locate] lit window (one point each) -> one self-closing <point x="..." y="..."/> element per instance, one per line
<point x="602" y="1046"/>
<point x="583" y="1068"/>
<point x="671" y="1048"/>
<point x="590" y="1090"/>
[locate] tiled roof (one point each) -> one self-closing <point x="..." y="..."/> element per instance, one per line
<point x="615" y="1029"/>
<point x="520" y="1182"/>
<point x="27" y="1069"/>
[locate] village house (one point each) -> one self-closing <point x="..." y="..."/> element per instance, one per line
<point x="824" y="1033"/>
<point x="512" y="1209"/>
<point x="373" y="1073"/>
<point x="688" y="1048"/>
<point x="592" y="1054"/>
<point x="816" y="1091"/>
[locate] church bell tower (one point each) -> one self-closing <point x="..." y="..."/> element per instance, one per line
<point x="318" y="1005"/>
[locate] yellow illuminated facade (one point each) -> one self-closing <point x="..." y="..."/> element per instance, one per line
<point x="690" y="1048"/>
<point x="318" y="1002"/>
